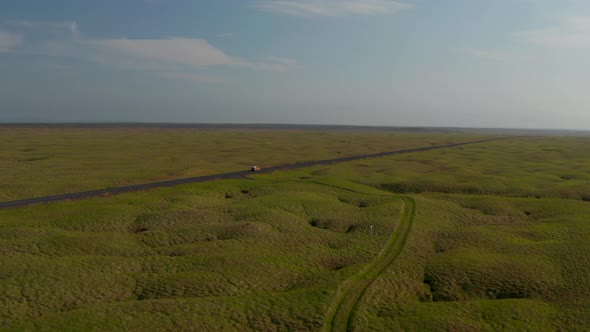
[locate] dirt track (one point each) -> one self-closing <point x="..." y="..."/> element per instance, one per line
<point x="340" y="318"/>
<point x="232" y="175"/>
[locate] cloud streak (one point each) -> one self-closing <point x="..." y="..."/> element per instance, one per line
<point x="225" y="35"/>
<point x="174" y="57"/>
<point x="574" y="32"/>
<point x="332" y="8"/>
<point x="181" y="51"/>
<point x="9" y="41"/>
<point x="191" y="77"/>
<point x="187" y="52"/>
<point x="71" y="27"/>
<point x="485" y="54"/>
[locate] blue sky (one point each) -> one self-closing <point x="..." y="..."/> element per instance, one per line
<point x="469" y="63"/>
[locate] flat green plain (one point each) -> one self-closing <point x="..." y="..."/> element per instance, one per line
<point x="499" y="241"/>
<point x="41" y="161"/>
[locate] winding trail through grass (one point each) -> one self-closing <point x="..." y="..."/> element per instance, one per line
<point x="340" y="317"/>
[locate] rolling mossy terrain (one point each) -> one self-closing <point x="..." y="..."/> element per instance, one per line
<point x="499" y="241"/>
<point x="219" y="255"/>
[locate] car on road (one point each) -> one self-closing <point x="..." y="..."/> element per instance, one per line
<point x="255" y="169"/>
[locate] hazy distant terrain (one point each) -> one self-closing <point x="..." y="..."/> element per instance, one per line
<point x="497" y="233"/>
<point x="307" y="127"/>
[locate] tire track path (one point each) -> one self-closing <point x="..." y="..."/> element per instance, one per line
<point x="340" y="317"/>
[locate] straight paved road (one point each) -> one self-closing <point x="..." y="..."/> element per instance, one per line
<point x="232" y="175"/>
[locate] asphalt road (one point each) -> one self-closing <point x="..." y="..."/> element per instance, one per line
<point x="232" y="175"/>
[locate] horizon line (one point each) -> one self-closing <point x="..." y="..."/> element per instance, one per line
<point x="260" y="124"/>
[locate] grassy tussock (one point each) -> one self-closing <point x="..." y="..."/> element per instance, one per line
<point x="190" y="245"/>
<point x="525" y="270"/>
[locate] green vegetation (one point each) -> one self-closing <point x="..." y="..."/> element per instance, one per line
<point x="340" y="318"/>
<point x="43" y="161"/>
<point x="280" y="250"/>
<point x="468" y="267"/>
<point x="499" y="242"/>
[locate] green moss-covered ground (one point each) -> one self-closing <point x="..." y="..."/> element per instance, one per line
<point x="41" y="161"/>
<point x="500" y="242"/>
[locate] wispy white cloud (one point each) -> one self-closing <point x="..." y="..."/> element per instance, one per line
<point x="182" y="51"/>
<point x="70" y="26"/>
<point x="73" y="27"/>
<point x="573" y="32"/>
<point x="9" y="40"/>
<point x="285" y="61"/>
<point x="193" y="53"/>
<point x="174" y="57"/>
<point x="332" y="7"/>
<point x="485" y="54"/>
<point x="191" y="77"/>
<point x="225" y="35"/>
<point x="276" y="64"/>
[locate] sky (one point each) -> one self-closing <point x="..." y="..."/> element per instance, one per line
<point x="444" y="63"/>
